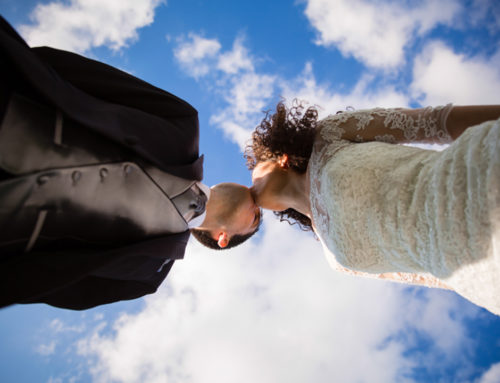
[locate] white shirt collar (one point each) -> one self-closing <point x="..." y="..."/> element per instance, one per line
<point x="197" y="221"/>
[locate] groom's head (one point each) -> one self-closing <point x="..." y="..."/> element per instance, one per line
<point x="232" y="217"/>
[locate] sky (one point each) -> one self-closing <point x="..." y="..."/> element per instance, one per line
<point x="270" y="310"/>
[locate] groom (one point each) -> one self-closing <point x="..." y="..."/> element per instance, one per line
<point x="99" y="181"/>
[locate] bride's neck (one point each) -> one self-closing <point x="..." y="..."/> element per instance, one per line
<point x="284" y="190"/>
<point x="296" y="193"/>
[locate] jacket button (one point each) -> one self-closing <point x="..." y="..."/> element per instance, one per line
<point x="103" y="173"/>
<point x="127" y="169"/>
<point x="42" y="179"/>
<point x="75" y="176"/>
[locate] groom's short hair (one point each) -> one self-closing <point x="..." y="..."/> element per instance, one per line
<point x="205" y="238"/>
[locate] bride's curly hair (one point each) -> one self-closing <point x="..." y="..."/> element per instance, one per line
<point x="288" y="131"/>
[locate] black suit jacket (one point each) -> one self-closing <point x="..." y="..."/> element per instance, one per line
<point x="155" y="125"/>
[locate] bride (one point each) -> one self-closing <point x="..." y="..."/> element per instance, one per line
<point x="385" y="210"/>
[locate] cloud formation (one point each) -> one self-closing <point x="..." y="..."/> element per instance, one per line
<point x="243" y="91"/>
<point x="441" y="75"/>
<point x="273" y="311"/>
<point x="236" y="60"/>
<point x="376" y="33"/>
<point x="196" y="54"/>
<point x="82" y="25"/>
<point x="362" y="96"/>
<point x="46" y="349"/>
<point x="492" y="375"/>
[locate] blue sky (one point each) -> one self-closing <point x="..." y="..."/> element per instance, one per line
<point x="272" y="310"/>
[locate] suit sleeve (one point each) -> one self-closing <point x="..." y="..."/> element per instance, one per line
<point x="81" y="279"/>
<point x="93" y="291"/>
<point x="111" y="84"/>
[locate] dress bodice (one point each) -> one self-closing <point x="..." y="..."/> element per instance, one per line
<point x="420" y="216"/>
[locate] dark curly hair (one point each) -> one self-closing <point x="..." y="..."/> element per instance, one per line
<point x="288" y="131"/>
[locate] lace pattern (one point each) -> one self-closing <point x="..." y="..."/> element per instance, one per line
<point x="406" y="214"/>
<point x="427" y="123"/>
<point x="386" y="125"/>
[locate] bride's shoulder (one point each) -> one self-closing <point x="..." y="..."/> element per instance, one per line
<point x="332" y="134"/>
<point x="331" y="127"/>
<point x="334" y="126"/>
<point x="360" y="118"/>
<point x="349" y="125"/>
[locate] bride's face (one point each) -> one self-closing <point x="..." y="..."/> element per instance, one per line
<point x="269" y="179"/>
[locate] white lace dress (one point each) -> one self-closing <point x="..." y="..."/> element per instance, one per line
<point x="408" y="214"/>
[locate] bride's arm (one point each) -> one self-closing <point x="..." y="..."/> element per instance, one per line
<point x="463" y="117"/>
<point x="440" y="124"/>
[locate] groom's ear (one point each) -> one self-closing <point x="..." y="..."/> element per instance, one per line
<point x="223" y="240"/>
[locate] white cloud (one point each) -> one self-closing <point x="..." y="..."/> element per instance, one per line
<point x="243" y="91"/>
<point x="492" y="375"/>
<point x="247" y="96"/>
<point x="195" y="54"/>
<point x="235" y="60"/>
<point x="58" y="326"/>
<point x="361" y="96"/>
<point x="376" y="33"/>
<point x="441" y="76"/>
<point x="271" y="311"/>
<point x="46" y="349"/>
<point x="80" y="25"/>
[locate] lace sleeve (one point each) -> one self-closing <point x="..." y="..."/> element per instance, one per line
<point x="424" y="279"/>
<point x="391" y="125"/>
